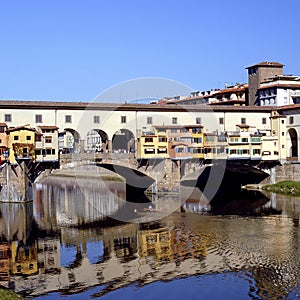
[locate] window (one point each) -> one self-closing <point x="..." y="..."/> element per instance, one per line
<point x="243" y="120"/>
<point x="291" y="120"/>
<point x="149" y="151"/>
<point x="244" y="140"/>
<point x="197" y="140"/>
<point x="282" y="121"/>
<point x="197" y="130"/>
<point x="174" y="120"/>
<point x="38" y="138"/>
<point x="162" y="139"/>
<point x="96" y="120"/>
<point x="16" y="138"/>
<point x="7" y="118"/>
<point x="149" y="140"/>
<point x="209" y="138"/>
<point x="53" y="151"/>
<point x="48" y="139"/>
<point x="123" y="119"/>
<point x="221" y="121"/>
<point x="68" y="119"/>
<point x="28" y="138"/>
<point x="264" y="121"/>
<point x="180" y="150"/>
<point x="234" y="140"/>
<point x="149" y="120"/>
<point x="198" y="120"/>
<point x="282" y="133"/>
<point x="255" y="140"/>
<point x="38" y="119"/>
<point x="186" y="139"/>
<point x="256" y="151"/>
<point x="222" y="138"/>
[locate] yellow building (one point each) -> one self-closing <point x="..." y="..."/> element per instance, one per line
<point x="21" y="143"/>
<point x="197" y="140"/>
<point x="278" y="129"/>
<point x="152" y="143"/>
<point x="3" y="139"/>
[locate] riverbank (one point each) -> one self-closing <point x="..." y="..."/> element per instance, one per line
<point x="284" y="187"/>
<point x="6" y="294"/>
<point x="288" y="188"/>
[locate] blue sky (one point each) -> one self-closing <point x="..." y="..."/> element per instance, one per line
<point x="72" y="50"/>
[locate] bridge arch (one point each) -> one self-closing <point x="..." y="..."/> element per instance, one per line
<point x="96" y="141"/>
<point x="293" y="143"/>
<point x="123" y="141"/>
<point x="69" y="141"/>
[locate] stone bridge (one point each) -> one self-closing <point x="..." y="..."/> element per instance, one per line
<point x="166" y="175"/>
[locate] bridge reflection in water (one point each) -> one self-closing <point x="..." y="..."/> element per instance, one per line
<point x="46" y="254"/>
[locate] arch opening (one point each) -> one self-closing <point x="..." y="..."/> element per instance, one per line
<point x="123" y="141"/>
<point x="96" y="141"/>
<point x="69" y="141"/>
<point x="293" y="142"/>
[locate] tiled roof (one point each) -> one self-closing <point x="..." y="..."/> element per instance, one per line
<point x="234" y="89"/>
<point x="11" y="129"/>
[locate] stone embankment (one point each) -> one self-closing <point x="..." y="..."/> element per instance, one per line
<point x="282" y="177"/>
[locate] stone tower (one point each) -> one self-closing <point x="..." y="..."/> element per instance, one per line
<point x="258" y="73"/>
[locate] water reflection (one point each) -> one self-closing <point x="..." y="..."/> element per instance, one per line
<point x="66" y="203"/>
<point x="41" y="254"/>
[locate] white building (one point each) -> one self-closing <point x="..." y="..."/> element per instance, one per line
<point x="279" y="90"/>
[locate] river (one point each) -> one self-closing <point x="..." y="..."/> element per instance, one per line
<point x="80" y="239"/>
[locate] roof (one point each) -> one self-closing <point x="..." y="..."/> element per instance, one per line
<point x="29" y="104"/>
<point x="48" y="127"/>
<point x="228" y="102"/>
<point x="279" y="85"/>
<point x="271" y="64"/>
<point x="11" y="129"/>
<point x="178" y="126"/>
<point x="243" y="125"/>
<point x="236" y="88"/>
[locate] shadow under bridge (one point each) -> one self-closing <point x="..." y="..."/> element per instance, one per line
<point x="135" y="180"/>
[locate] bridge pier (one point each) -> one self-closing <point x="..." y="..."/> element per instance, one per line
<point x="15" y="184"/>
<point x="166" y="175"/>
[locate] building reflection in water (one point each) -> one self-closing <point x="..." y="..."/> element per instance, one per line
<point x="66" y="203"/>
<point x="39" y="255"/>
<point x="18" y="249"/>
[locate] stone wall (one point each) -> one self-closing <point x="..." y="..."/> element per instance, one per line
<point x="287" y="171"/>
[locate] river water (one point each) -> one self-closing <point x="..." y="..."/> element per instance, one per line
<point x="81" y="239"/>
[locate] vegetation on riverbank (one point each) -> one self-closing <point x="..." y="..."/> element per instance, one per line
<point x="291" y="188"/>
<point x="6" y="294"/>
